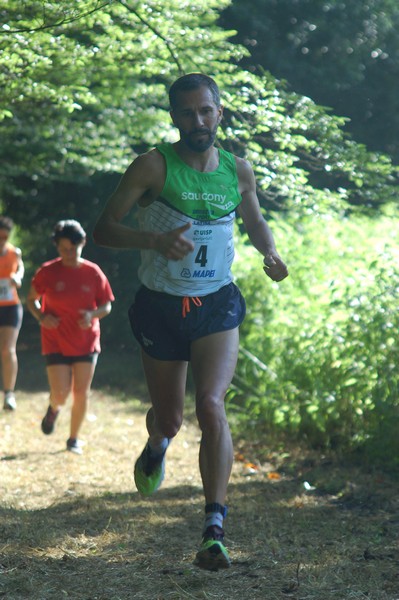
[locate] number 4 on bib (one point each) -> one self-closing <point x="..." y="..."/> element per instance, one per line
<point x="201" y="258"/>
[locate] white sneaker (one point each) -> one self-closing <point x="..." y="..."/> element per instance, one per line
<point x="10" y="402"/>
<point x="74" y="445"/>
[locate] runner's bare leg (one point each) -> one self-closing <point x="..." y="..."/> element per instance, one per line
<point x="213" y="360"/>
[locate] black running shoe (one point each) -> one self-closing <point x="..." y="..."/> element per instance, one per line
<point x="49" y="421"/>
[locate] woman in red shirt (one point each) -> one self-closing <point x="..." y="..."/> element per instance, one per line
<point x="11" y="274"/>
<point x="68" y="296"/>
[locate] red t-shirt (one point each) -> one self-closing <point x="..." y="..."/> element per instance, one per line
<point x="64" y="291"/>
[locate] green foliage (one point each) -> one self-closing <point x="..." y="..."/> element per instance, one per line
<point x="83" y="82"/>
<point x="84" y="87"/>
<point x="299" y="152"/>
<point x="320" y="350"/>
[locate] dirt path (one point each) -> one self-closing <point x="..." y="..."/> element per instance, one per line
<point x="74" y="526"/>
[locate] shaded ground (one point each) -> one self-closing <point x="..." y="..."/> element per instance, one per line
<point x="299" y="527"/>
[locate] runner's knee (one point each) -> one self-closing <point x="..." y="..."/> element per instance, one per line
<point x="210" y="410"/>
<point x="59" y="397"/>
<point x="170" y="427"/>
<point x="7" y="351"/>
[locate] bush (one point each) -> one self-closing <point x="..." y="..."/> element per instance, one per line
<point x="319" y="351"/>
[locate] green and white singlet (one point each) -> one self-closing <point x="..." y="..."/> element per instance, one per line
<point x="207" y="201"/>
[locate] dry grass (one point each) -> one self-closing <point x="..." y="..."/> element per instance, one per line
<point x="74" y="527"/>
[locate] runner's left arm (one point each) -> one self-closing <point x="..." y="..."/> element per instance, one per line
<point x="257" y="228"/>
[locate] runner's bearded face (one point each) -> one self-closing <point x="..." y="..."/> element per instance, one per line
<point x="197" y="118"/>
<point x="199" y="140"/>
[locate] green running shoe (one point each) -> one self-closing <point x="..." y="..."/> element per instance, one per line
<point x="149" y="472"/>
<point x="212" y="554"/>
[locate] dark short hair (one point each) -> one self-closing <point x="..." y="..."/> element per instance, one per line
<point x="69" y="229"/>
<point x="193" y="81"/>
<point x="6" y="223"/>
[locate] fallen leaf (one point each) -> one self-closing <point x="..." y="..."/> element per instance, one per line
<point x="251" y="466"/>
<point x="240" y="457"/>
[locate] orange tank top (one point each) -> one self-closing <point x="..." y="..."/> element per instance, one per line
<point x="9" y="262"/>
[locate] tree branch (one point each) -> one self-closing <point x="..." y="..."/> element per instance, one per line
<point x="156" y="32"/>
<point x="65" y="21"/>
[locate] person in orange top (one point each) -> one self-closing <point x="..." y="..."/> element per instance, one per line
<point x="11" y="274"/>
<point x="68" y="296"/>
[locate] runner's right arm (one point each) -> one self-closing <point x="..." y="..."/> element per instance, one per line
<point x="137" y="187"/>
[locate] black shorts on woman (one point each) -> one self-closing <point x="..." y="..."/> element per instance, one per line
<point x="56" y="358"/>
<point x="11" y="316"/>
<point x="165" y="330"/>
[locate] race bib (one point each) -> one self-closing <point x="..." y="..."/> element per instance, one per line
<point x="6" y="291"/>
<point x="210" y="257"/>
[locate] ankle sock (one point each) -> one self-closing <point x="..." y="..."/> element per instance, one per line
<point x="214" y="515"/>
<point x="154" y="456"/>
<point x="160" y="449"/>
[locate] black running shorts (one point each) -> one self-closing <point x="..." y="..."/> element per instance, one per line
<point x="166" y="325"/>
<point x="59" y="359"/>
<point x="11" y="316"/>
